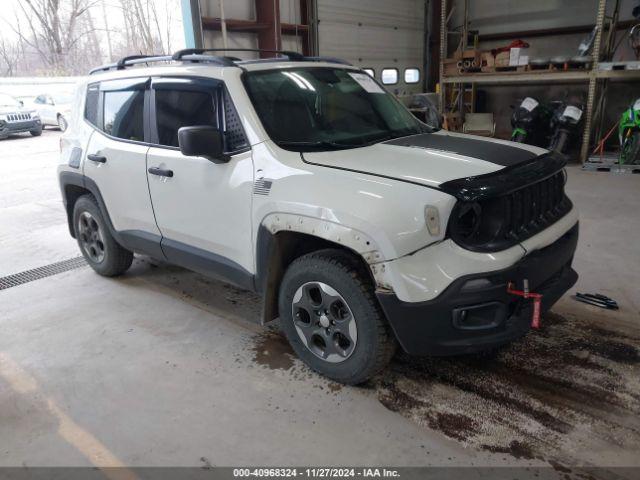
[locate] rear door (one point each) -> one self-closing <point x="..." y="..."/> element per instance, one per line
<point x="117" y="153"/>
<point x="204" y="208"/>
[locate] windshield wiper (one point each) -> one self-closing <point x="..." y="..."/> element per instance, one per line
<point x="319" y="144"/>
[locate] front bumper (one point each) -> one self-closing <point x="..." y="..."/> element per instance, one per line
<point x="475" y="312"/>
<point x="11" y="128"/>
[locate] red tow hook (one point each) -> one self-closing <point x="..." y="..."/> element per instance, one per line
<point x="537" y="300"/>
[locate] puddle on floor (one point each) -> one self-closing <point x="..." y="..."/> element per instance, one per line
<point x="271" y="349"/>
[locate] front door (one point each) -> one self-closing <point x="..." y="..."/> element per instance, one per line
<point x="203" y="209"/>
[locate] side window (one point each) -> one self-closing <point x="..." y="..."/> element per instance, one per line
<point x="389" y="76"/>
<point x="91" y="104"/>
<point x="123" y="114"/>
<point x="182" y="108"/>
<point x="370" y="71"/>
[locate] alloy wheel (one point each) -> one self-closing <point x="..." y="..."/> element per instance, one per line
<point x="324" y="322"/>
<point x="90" y="236"/>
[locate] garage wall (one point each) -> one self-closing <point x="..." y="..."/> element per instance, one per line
<point x="368" y="33"/>
<point x="375" y="34"/>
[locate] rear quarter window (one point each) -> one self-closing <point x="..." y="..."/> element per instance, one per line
<point x="91" y="104"/>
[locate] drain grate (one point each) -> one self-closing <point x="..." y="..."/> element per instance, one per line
<point x="41" y="272"/>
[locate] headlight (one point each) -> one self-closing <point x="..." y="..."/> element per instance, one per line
<point x="432" y="219"/>
<point x="466" y="221"/>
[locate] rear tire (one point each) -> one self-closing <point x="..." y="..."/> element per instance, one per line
<point x="324" y="294"/>
<point x="98" y="247"/>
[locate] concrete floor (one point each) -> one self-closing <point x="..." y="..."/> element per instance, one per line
<point x="164" y="367"/>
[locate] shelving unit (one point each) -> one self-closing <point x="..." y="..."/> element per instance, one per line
<point x="590" y="76"/>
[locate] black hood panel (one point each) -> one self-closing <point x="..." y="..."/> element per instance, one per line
<point x="498" y="153"/>
<point x="507" y="180"/>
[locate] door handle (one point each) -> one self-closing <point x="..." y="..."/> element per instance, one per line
<point x="97" y="158"/>
<point x="160" y="172"/>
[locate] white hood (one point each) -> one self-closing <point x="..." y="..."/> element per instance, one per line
<point x="428" y="159"/>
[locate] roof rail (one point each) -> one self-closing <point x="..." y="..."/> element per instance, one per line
<point x="328" y="60"/>
<point x="197" y="55"/>
<point x="138" y="59"/>
<point x="129" y="61"/>
<point x="198" y="51"/>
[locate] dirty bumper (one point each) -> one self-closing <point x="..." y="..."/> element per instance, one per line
<point x="475" y="312"/>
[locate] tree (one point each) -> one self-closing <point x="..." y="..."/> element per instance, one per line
<point x="52" y="29"/>
<point x="142" y="21"/>
<point x="10" y="54"/>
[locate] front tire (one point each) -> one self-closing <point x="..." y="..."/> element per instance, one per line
<point x="332" y="319"/>
<point x="98" y="247"/>
<point x="36" y="132"/>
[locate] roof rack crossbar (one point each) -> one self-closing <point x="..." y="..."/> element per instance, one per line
<point x="190" y="51"/>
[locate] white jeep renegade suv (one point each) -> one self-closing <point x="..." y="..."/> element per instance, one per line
<point x="302" y="179"/>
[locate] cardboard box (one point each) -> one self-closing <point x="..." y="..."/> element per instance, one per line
<point x="502" y="59"/>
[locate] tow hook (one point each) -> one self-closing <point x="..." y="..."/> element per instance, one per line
<point x="525" y="293"/>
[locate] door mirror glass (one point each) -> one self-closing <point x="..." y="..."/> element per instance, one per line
<point x="202" y="141"/>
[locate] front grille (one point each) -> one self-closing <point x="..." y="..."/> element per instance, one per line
<point x="18" y="117"/>
<point x="534" y="207"/>
<point x="496" y="223"/>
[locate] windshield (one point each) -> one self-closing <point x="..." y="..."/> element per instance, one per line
<point x="8" y="101"/>
<point x="320" y="108"/>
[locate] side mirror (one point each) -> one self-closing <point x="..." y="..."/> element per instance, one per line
<point x="202" y="141"/>
<point x="21" y="103"/>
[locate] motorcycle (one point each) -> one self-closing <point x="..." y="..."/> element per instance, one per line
<point x="530" y="120"/>
<point x="566" y="120"/>
<point x="629" y="135"/>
